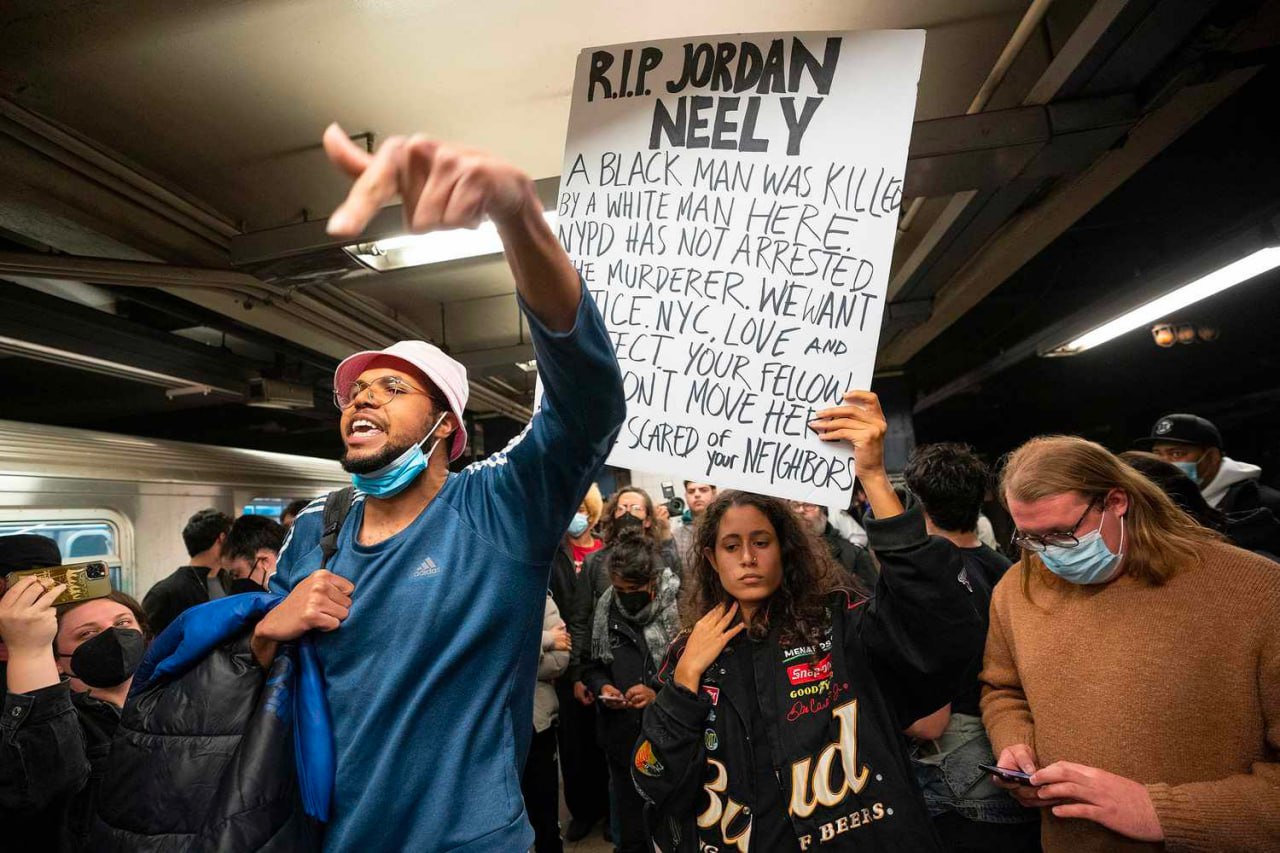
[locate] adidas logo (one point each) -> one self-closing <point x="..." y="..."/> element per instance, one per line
<point x="429" y="567"/>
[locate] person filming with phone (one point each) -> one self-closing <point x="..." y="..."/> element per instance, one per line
<point x="70" y="669"/>
<point x="1132" y="667"/>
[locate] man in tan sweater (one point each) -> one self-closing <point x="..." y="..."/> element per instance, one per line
<point x="1132" y="665"/>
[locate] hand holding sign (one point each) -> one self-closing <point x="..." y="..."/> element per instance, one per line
<point x="443" y="185"/>
<point x="861" y="422"/>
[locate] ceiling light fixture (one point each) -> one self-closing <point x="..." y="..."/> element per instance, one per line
<point x="434" y="247"/>
<point x="1217" y="281"/>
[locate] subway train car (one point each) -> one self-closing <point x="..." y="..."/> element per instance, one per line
<point x="125" y="499"/>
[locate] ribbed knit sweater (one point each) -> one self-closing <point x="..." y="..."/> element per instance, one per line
<point x="1175" y="686"/>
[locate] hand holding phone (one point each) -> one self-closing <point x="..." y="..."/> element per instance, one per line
<point x="1017" y="777"/>
<point x="81" y="581"/>
<point x="611" y="697"/>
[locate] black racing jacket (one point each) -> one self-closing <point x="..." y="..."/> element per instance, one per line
<point x="835" y="739"/>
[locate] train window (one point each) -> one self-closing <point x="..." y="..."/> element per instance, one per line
<point x="273" y="508"/>
<point x="81" y="535"/>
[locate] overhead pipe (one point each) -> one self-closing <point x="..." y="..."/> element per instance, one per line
<point x="1031" y="19"/>
<point x="319" y="316"/>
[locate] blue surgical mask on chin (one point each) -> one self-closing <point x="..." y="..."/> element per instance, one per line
<point x="1090" y="562"/>
<point x="579" y="525"/>
<point x="1191" y="469"/>
<point x="392" y="479"/>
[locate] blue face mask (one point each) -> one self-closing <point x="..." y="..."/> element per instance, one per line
<point x="390" y="480"/>
<point x="1090" y="562"/>
<point x="1191" y="469"/>
<point x="578" y="526"/>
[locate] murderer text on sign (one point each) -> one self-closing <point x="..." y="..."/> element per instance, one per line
<point x="731" y="204"/>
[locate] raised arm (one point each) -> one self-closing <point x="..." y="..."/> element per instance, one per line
<point x="448" y="186"/>
<point x="919" y="631"/>
<point x="534" y="485"/>
<point x="42" y="747"/>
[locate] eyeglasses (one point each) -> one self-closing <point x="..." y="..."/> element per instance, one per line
<point x="1061" y="539"/>
<point x="381" y="391"/>
<point x="806" y="508"/>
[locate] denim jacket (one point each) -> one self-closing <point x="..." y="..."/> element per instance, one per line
<point x="948" y="773"/>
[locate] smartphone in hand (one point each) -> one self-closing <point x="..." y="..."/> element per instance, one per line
<point x="1017" y="777"/>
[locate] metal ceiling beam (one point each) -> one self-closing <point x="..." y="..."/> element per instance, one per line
<point x="1027" y="234"/>
<point x="981" y="232"/>
<point x="46" y="328"/>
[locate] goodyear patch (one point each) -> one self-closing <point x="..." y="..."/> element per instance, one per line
<point x="646" y="762"/>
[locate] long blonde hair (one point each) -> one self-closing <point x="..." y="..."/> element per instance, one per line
<point x="1160" y="537"/>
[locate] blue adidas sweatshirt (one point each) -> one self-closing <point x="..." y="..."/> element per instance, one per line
<point x="430" y="679"/>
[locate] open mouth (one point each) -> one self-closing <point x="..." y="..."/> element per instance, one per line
<point x="363" y="431"/>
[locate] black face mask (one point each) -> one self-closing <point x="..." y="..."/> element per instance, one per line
<point x="239" y="585"/>
<point x="108" y="659"/>
<point x="634" y="602"/>
<point x="626" y="522"/>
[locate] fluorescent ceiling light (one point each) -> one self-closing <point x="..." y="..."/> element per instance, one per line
<point x="434" y="247"/>
<point x="1215" y="282"/>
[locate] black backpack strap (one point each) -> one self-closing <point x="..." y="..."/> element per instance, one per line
<point x="336" y="507"/>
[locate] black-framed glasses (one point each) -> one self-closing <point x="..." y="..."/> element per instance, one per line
<point x="1060" y="539"/>
<point x="381" y="391"/>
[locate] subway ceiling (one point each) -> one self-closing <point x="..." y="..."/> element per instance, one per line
<point x="162" y="187"/>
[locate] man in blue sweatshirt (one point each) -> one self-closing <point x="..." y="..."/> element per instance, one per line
<point x="429" y="616"/>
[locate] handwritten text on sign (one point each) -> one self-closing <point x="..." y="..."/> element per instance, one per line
<point x="731" y="204"/>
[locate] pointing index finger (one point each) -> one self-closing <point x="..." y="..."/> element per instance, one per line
<point x="344" y="153"/>
<point x="377" y="185"/>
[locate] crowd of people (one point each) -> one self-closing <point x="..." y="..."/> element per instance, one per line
<point x="430" y="660"/>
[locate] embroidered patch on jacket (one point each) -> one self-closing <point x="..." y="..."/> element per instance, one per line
<point x="806" y="673"/>
<point x="646" y="762"/>
<point x="712" y="692"/>
<point x="712" y="740"/>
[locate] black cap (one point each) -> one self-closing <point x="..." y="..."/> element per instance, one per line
<point x="28" y="551"/>
<point x="1182" y="429"/>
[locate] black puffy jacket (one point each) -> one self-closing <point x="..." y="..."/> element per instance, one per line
<point x="204" y="760"/>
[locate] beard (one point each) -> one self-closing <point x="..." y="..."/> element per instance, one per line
<point x="368" y="464"/>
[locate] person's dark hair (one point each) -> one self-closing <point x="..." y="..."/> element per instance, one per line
<point x="203" y="529"/>
<point x="809" y="574"/>
<point x="634" y="557"/>
<point x="251" y="532"/>
<point x="1178" y="486"/>
<point x="611" y="506"/>
<point x="139" y="615"/>
<point x="950" y="481"/>
<point x="294" y="508"/>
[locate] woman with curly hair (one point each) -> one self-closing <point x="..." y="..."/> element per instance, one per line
<point x="777" y="725"/>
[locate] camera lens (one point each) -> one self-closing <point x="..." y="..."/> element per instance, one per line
<point x="95" y="571"/>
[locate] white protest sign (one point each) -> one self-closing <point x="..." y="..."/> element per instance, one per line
<point x="731" y="204"/>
